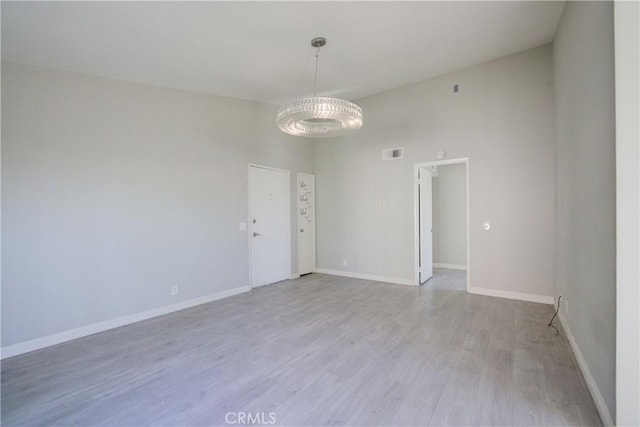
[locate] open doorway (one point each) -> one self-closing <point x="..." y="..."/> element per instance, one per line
<point x="442" y="249"/>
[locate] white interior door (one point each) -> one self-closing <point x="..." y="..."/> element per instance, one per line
<point x="270" y="225"/>
<point x="306" y="223"/>
<point x="425" y="190"/>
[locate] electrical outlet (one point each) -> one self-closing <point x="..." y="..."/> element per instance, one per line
<point x="174" y="290"/>
<point x="345" y="263"/>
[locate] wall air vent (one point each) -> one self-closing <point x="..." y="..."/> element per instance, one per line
<point x="392" y="154"/>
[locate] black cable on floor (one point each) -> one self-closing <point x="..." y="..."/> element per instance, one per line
<point x="554" y="316"/>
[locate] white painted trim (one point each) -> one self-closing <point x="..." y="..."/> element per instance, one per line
<point x="250" y="223"/>
<point x="255" y="165"/>
<point x="603" y="410"/>
<point x="416" y="217"/>
<point x="294" y="276"/>
<point x="375" y="278"/>
<point x="450" y="266"/>
<point x="94" y="328"/>
<point x="627" y="113"/>
<point x="542" y="299"/>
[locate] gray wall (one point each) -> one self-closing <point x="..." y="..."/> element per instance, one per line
<point x="112" y="192"/>
<point x="450" y="215"/>
<point x="502" y="119"/>
<point x="585" y="174"/>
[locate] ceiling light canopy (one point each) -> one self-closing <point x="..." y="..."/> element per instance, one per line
<point x="316" y="116"/>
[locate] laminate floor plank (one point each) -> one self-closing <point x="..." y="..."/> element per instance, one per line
<point x="318" y="350"/>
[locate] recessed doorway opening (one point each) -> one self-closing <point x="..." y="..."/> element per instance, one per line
<point x="441" y="236"/>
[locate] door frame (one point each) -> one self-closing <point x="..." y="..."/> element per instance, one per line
<point x="298" y="222"/>
<point x="416" y="215"/>
<point x="249" y="216"/>
<point x="423" y="181"/>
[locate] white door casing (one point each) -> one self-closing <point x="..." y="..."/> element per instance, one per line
<point x="426" y="224"/>
<point x="269" y="225"/>
<point x="416" y="218"/>
<point x="306" y="215"/>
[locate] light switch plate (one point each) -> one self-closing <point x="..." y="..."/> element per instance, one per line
<point x="242" y="226"/>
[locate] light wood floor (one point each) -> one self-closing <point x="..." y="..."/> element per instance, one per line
<point x="320" y="350"/>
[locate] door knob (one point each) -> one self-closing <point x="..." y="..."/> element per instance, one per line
<point x="256" y="234"/>
<point x="302" y="230"/>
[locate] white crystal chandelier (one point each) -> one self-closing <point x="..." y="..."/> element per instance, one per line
<point x="317" y="116"/>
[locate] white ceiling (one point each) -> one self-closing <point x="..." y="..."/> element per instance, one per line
<point x="261" y="51"/>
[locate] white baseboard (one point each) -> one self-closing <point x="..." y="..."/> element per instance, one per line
<point x="543" y="299"/>
<point x="408" y="282"/>
<point x="450" y="266"/>
<point x="94" y="328"/>
<point x="603" y="410"/>
<point x="294" y="276"/>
